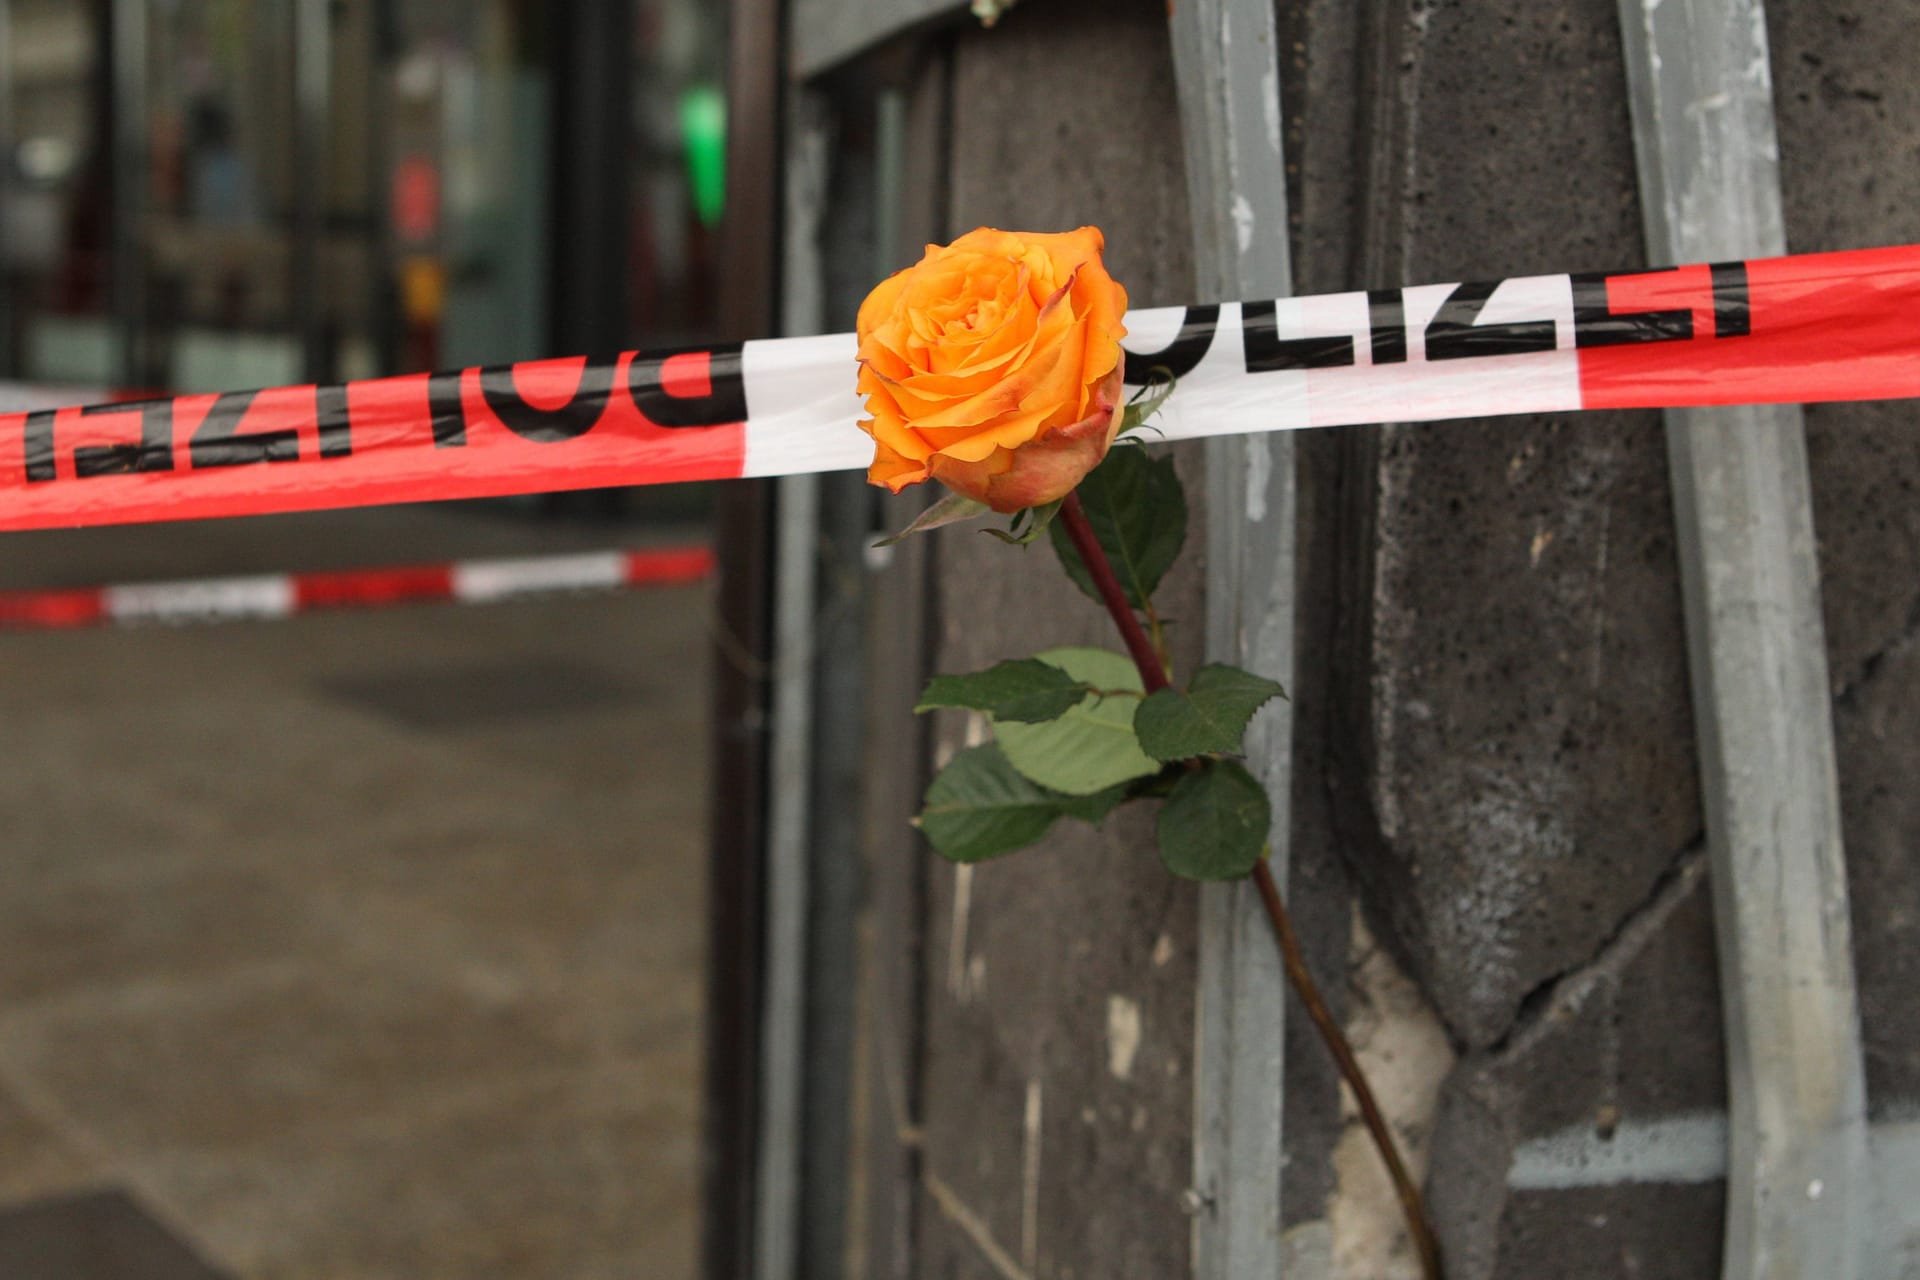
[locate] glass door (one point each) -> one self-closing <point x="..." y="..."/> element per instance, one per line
<point x="218" y="227"/>
<point x="56" y="192"/>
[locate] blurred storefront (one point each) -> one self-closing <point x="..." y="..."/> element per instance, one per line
<point x="208" y="194"/>
<point x="440" y="1012"/>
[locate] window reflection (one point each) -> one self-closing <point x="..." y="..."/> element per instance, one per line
<point x="54" y="192"/>
<point x="680" y="170"/>
<point x="423" y="210"/>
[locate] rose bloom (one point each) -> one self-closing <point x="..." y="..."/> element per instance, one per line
<point x="993" y="365"/>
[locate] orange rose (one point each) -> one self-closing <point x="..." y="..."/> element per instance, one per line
<point x="994" y="366"/>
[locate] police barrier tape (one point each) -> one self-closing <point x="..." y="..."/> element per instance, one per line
<point x="1811" y="327"/>
<point x="281" y="595"/>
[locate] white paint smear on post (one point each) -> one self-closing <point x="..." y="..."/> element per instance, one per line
<point x="1123" y="1035"/>
<point x="1679" y="1149"/>
<point x="1691" y="1148"/>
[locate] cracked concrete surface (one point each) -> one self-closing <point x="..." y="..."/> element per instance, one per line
<point x="1850" y="687"/>
<point x="1560" y="998"/>
<point x="1632" y="1035"/>
<point x="1517" y="763"/>
<point x="1565" y="990"/>
<point x="1527" y="735"/>
<point x="1514" y="777"/>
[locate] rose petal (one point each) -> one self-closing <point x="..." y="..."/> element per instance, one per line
<point x="1005" y="394"/>
<point x="995" y="360"/>
<point x="894" y="470"/>
<point x="1042" y="470"/>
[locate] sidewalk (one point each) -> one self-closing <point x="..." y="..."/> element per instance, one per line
<point x="362" y="943"/>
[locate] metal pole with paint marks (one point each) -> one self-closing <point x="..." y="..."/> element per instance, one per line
<point x="1797" y="1180"/>
<point x="1226" y="63"/>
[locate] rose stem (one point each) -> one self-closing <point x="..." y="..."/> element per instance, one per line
<point x="1403" y="1184"/>
<point x="1157" y="634"/>
<point x="1153" y="675"/>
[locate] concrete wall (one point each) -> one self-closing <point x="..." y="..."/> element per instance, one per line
<point x="1497" y="830"/>
<point x="1056" y="1087"/>
<point x="1849" y="110"/>
<point x="1507" y="747"/>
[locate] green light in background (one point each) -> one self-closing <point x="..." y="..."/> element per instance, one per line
<point x="703" y="129"/>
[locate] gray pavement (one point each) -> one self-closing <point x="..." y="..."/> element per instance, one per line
<point x="366" y="943"/>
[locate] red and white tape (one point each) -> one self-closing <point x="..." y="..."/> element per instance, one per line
<point x="281" y="595"/>
<point x="1835" y="326"/>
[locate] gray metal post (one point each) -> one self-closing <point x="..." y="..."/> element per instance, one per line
<point x="783" y="1038"/>
<point x="127" y="269"/>
<point x="592" y="140"/>
<point x="312" y="89"/>
<point x="1710" y="189"/>
<point x="777" y="1227"/>
<point x="8" y="149"/>
<point x="1226" y="61"/>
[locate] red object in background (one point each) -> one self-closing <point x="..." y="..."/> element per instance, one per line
<point x="416" y="200"/>
<point x="371" y="588"/>
<point x="51" y="610"/>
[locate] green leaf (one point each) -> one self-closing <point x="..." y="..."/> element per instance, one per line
<point x="1027" y="524"/>
<point x="978" y="807"/>
<point x="1147" y="401"/>
<point x="951" y="509"/>
<point x="1137" y="510"/>
<point x="1210" y="718"/>
<point x="1091" y="747"/>
<point x="1091" y="809"/>
<point x="1024" y="691"/>
<point x="1214" y="825"/>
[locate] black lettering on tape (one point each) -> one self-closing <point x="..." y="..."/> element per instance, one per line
<point x="1267" y="351"/>
<point x="1453" y="333"/>
<point x="39" y="446"/>
<point x="153" y="453"/>
<point x="448" y="413"/>
<point x="1387" y="323"/>
<point x="548" y="426"/>
<point x="330" y="414"/>
<point x="1181" y="356"/>
<point x="1595" y="324"/>
<point x="724" y="403"/>
<point x="217" y="443"/>
<point x="1732" y="313"/>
